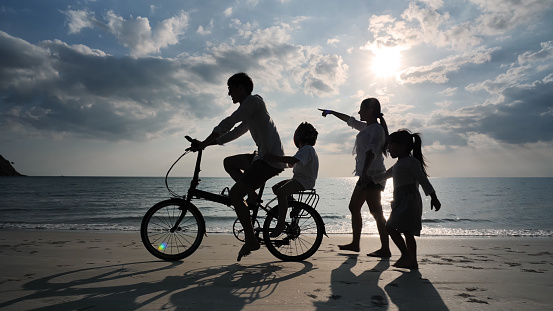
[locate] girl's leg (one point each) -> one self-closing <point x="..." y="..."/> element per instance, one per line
<point x="286" y="189"/>
<point x="355" y="204"/>
<point x="412" y="250"/>
<point x="373" y="200"/>
<point x="400" y="243"/>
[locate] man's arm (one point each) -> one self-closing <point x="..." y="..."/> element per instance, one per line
<point x="210" y="140"/>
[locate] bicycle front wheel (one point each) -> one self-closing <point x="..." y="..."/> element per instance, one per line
<point x="301" y="237"/>
<point x="172" y="229"/>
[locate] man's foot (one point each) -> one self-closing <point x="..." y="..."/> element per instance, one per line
<point x="380" y="253"/>
<point x="349" y="247"/>
<point x="247" y="249"/>
<point x="277" y="230"/>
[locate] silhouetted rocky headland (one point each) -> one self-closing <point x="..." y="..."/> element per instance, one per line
<point x="6" y="168"/>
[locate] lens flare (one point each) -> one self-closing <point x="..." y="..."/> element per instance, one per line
<point x="162" y="246"/>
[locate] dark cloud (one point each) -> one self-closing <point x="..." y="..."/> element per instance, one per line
<point x="73" y="89"/>
<point x="524" y="116"/>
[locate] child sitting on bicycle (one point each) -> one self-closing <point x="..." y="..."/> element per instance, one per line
<point x="306" y="168"/>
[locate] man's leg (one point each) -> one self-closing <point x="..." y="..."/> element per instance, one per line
<point x="237" y="194"/>
<point x="235" y="166"/>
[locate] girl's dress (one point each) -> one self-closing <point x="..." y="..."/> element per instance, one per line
<point x="406" y="215"/>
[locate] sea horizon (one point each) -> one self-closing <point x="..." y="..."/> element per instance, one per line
<point x="472" y="206"/>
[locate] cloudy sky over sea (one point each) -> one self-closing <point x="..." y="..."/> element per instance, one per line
<point x="111" y="87"/>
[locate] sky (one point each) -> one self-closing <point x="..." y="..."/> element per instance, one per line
<point x="110" y="88"/>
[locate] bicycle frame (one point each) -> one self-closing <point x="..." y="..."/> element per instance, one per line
<point x="193" y="192"/>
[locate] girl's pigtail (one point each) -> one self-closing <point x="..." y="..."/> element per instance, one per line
<point x="417" y="151"/>
<point x="385" y="126"/>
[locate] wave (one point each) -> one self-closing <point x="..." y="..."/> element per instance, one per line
<point x="446" y="220"/>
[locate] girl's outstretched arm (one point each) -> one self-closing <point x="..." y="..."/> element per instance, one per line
<point x="339" y="115"/>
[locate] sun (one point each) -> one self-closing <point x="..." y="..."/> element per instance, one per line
<point x="386" y="62"/>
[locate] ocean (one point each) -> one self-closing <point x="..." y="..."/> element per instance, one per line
<point x="470" y="206"/>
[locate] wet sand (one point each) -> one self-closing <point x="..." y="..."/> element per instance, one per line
<point x="70" y="270"/>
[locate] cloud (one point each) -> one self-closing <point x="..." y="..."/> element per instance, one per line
<point x="205" y="31"/>
<point x="420" y="25"/>
<point x="135" y="33"/>
<point x="53" y="88"/>
<point x="78" y="20"/>
<point x="525" y="115"/>
<point x="545" y="53"/>
<point x="437" y="71"/>
<point x="503" y="15"/>
<point x="332" y="41"/>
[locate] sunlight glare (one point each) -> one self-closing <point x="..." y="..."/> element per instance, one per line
<point x="386" y="62"/>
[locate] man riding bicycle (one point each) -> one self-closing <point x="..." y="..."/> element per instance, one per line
<point x="249" y="171"/>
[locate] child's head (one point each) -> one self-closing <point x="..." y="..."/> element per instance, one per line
<point x="305" y="134"/>
<point x="241" y="79"/>
<point x="374" y="105"/>
<point x="402" y="143"/>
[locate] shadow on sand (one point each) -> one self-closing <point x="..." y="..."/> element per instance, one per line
<point x="362" y="292"/>
<point x="219" y="287"/>
<point x="355" y="292"/>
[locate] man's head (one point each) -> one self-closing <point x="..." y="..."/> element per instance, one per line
<point x="240" y="86"/>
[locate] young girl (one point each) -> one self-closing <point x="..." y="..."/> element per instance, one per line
<point x="306" y="168"/>
<point x="369" y="150"/>
<point x="406" y="216"/>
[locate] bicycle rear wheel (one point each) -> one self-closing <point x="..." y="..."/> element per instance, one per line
<point x="163" y="239"/>
<point x="303" y="234"/>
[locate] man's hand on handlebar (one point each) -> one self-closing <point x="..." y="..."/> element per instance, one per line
<point x="195" y="145"/>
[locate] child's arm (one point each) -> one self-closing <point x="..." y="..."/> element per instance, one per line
<point x="284" y="159"/>
<point x="416" y="170"/>
<point x="339" y="115"/>
<point x="434" y="202"/>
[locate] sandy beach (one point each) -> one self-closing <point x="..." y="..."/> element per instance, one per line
<point x="70" y="270"/>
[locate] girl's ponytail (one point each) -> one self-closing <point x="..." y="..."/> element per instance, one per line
<point x="417" y="151"/>
<point x="374" y="104"/>
<point x="385" y="127"/>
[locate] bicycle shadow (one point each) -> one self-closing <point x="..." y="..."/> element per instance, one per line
<point x="410" y="291"/>
<point x="351" y="291"/>
<point x="230" y="287"/>
<point x="233" y="287"/>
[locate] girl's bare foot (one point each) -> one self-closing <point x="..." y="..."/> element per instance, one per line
<point x="349" y="247"/>
<point x="406" y="262"/>
<point x="247" y="249"/>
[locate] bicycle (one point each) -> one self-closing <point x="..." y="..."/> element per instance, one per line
<point x="173" y="229"/>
